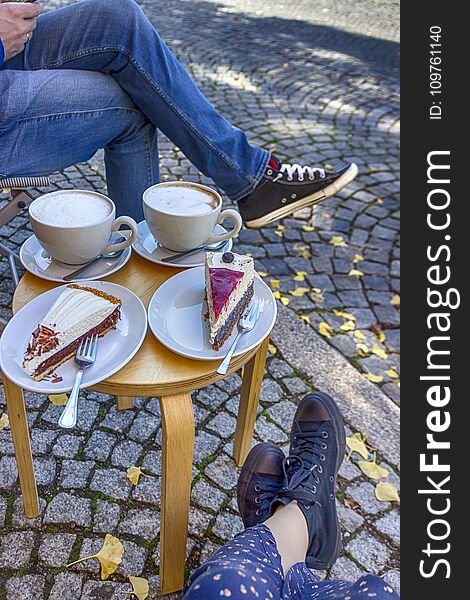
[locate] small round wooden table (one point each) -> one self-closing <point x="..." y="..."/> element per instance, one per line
<point x="154" y="371"/>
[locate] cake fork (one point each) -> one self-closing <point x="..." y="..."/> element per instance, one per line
<point x="85" y="357"/>
<point x="246" y="323"/>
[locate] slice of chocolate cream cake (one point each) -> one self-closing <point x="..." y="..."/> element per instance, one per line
<point x="229" y="289"/>
<point x="76" y="314"/>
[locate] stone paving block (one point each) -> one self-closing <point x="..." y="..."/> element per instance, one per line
<point x="6" y="443"/>
<point x="223" y="471"/>
<point x="26" y="587"/>
<point x="133" y="560"/>
<point x="230" y="384"/>
<point x="283" y="413"/>
<point x="3" y="510"/>
<point x="112" y="482"/>
<point x="212" y="396"/>
<point x="126" y="454"/>
<point x="55" y="549"/>
<point x="99" y="445"/>
<point x="67" y="446"/>
<point x="8" y="472"/>
<point x="198" y="521"/>
<point x="279" y="368"/>
<point x="223" y="425"/>
<point x="271" y="391"/>
<point x="42" y="440"/>
<point x="118" y="420"/>
<point x="268" y="432"/>
<point x="346" y="569"/>
<point x="44" y="469"/>
<point x="389" y="525"/>
<point x="205" y="445"/>
<point x="348" y="470"/>
<point x="369" y="552"/>
<point x="207" y="495"/>
<point x="152" y="463"/>
<point x="104" y="589"/>
<point x="15" y="549"/>
<point x="20" y="521"/>
<point x="106" y="517"/>
<point x="144" y="426"/>
<point x="66" y="585"/>
<point x="147" y="490"/>
<point x="227" y="526"/>
<point x="295" y="385"/>
<point x="144" y="523"/>
<point x="67" y="508"/>
<point x="75" y="473"/>
<point x="364" y="494"/>
<point x="348" y="519"/>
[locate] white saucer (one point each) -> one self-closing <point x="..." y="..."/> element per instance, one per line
<point x="148" y="248"/>
<point x="115" y="349"/>
<point x="175" y="315"/>
<point x="36" y="260"/>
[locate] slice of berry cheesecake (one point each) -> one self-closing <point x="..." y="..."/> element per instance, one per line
<point x="229" y="289"/>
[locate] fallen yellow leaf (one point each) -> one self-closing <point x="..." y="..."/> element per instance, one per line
<point x="373" y="169"/>
<point x="373" y="470"/>
<point x="359" y="335"/>
<point x="379" y="201"/>
<point x="299" y="292"/>
<point x="348" y="326"/>
<point x="4" y="421"/>
<point x="392" y="373"/>
<point x="362" y="348"/>
<point x="395" y="300"/>
<point x="58" y="399"/>
<point x="109" y="556"/>
<point x="94" y="168"/>
<point x="318" y="297"/>
<point x="374" y="378"/>
<point x="377" y="350"/>
<point x="272" y="349"/>
<point x="300" y="276"/>
<point x="134" y="473"/>
<point x="356" y="443"/>
<point x="279" y="234"/>
<point x="344" y="314"/>
<point x="302" y="250"/>
<point x="308" y="228"/>
<point x="275" y="283"/>
<point x="329" y="167"/>
<point x="280" y="227"/>
<point x="277" y="295"/>
<point x="305" y="319"/>
<point x="325" y="329"/>
<point x="355" y="273"/>
<point x="262" y="273"/>
<point x="381" y="337"/>
<point x="285" y="300"/>
<point x="6" y="191"/>
<point x="140" y="587"/>
<point x="337" y="240"/>
<point x="357" y="258"/>
<point x="386" y="492"/>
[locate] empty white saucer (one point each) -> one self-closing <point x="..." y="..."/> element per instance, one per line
<point x="36" y="260"/>
<point x="148" y="248"/>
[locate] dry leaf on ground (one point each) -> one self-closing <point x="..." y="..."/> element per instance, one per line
<point x="395" y="300"/>
<point x="262" y="273"/>
<point x="305" y="319"/>
<point x="359" y="335"/>
<point x="109" y="556"/>
<point x="357" y="258"/>
<point x="140" y="587"/>
<point x="134" y="473"/>
<point x="299" y="292"/>
<point x="392" y="373"/>
<point x="325" y="329"/>
<point x="372" y="469"/>
<point x="355" y="273"/>
<point x="374" y="378"/>
<point x="386" y="492"/>
<point x="58" y="399"/>
<point x="344" y="314"/>
<point x="338" y="240"/>
<point x="378" y="351"/>
<point x="272" y="349"/>
<point x="348" y="326"/>
<point x="285" y="300"/>
<point x="356" y="443"/>
<point x="275" y="283"/>
<point x="4" y="422"/>
<point x="300" y="276"/>
<point x="362" y="348"/>
<point x="308" y="228"/>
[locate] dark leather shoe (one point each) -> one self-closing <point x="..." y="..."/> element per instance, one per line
<point x="316" y="452"/>
<point x="289" y="187"/>
<point x="260" y="480"/>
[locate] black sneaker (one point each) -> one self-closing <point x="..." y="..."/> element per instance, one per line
<point x="286" y="188"/>
<point x="316" y="453"/>
<point x="260" y="480"/>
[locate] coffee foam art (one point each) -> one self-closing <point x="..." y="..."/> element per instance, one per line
<point x="71" y="209"/>
<point x="181" y="200"/>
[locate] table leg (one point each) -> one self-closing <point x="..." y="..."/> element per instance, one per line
<point x="20" y="434"/>
<point x="252" y="379"/>
<point x="177" y="460"/>
<point x="124" y="402"/>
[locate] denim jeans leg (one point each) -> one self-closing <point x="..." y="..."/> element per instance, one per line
<point x="53" y="119"/>
<point x="118" y="39"/>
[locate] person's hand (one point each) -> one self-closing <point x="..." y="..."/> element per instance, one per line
<point x="17" y="23"/>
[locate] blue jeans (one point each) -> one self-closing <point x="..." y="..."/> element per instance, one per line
<point x="250" y="567"/>
<point x="97" y="75"/>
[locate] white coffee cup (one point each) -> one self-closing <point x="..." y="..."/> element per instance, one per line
<point x="181" y="215"/>
<point x="75" y="226"/>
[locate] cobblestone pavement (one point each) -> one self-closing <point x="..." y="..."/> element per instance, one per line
<point x="317" y="83"/>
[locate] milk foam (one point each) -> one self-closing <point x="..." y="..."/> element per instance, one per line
<point x="181" y="200"/>
<point x="71" y="209"/>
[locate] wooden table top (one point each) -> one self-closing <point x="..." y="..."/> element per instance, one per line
<point x="154" y="370"/>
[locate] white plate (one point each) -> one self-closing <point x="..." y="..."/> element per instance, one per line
<point x="36" y="260"/>
<point x="176" y="318"/>
<point x="148" y="248"/>
<point x="115" y="349"/>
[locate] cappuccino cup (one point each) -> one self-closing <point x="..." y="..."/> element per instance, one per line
<point x="182" y="215"/>
<point x="74" y="226"/>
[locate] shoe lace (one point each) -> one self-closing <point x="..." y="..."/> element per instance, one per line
<point x="300" y="466"/>
<point x="265" y="492"/>
<point x="299" y="171"/>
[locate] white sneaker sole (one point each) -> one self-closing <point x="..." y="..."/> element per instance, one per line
<point x="311" y="200"/>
